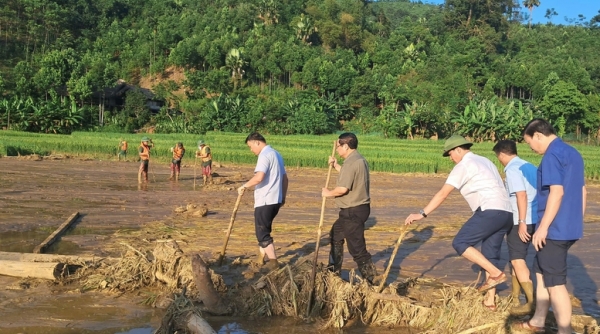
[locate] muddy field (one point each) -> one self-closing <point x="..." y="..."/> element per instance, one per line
<point x="37" y="196"/>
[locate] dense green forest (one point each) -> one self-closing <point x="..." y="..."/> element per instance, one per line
<point x="401" y="69"/>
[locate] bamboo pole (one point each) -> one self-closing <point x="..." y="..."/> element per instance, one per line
<point x="54" y="236"/>
<point x="389" y="266"/>
<point x="235" y="208"/>
<point x="314" y="268"/>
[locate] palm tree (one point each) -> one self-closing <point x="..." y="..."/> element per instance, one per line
<point x="530" y="4"/>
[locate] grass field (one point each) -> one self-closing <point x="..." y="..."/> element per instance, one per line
<point x="384" y="155"/>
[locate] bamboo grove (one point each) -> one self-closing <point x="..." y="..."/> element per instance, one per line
<point x="393" y="68"/>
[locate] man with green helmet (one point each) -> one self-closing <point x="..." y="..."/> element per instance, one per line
<point x="205" y="156"/>
<point x="144" y="152"/>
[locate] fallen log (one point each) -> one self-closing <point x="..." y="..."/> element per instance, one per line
<point x="206" y="290"/>
<point x="54" y="236"/>
<point x="31" y="257"/>
<point x="45" y="270"/>
<point x="197" y="325"/>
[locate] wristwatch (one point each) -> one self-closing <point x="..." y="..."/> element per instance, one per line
<point x="422" y="212"/>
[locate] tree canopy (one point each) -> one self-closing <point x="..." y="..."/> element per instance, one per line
<point x="402" y="69"/>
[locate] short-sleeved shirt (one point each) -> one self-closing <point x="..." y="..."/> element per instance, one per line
<point x="479" y="182"/>
<point x="562" y="165"/>
<point x="522" y="176"/>
<point x="270" y="190"/>
<point x="354" y="176"/>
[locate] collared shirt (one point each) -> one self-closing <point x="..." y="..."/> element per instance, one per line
<point x="270" y="189"/>
<point x="562" y="165"/>
<point x="522" y="176"/>
<point x="479" y="182"/>
<point x="354" y="176"/>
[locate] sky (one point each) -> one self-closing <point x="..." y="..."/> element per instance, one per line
<point x="569" y="8"/>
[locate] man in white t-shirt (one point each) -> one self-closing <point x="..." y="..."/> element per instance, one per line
<point x="271" y="182"/>
<point x="479" y="182"/>
<point x="521" y="180"/>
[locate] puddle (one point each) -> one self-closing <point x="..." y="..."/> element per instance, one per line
<point x="26" y="241"/>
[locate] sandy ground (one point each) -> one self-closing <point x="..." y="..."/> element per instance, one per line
<point x="37" y="196"/>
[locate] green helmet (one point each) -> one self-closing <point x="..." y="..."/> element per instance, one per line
<point x="145" y="139"/>
<point x="200" y="142"/>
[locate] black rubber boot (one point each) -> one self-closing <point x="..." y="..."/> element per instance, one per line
<point x="369" y="272"/>
<point x="336" y="257"/>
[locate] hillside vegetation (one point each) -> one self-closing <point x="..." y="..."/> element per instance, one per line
<point x="396" y="68"/>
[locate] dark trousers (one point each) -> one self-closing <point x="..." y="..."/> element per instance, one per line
<point x="263" y="223"/>
<point x="350" y="226"/>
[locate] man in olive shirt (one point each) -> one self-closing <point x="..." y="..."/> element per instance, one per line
<point x="352" y="197"/>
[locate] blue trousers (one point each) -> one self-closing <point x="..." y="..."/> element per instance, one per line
<point x="488" y="227"/>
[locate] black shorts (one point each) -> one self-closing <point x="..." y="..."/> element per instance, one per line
<point x="517" y="249"/>
<point x="263" y="222"/>
<point x="551" y="262"/>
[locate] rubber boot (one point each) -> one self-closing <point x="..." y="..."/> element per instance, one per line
<point x="516" y="291"/>
<point x="529" y="307"/>
<point x="336" y="257"/>
<point x="270" y="266"/>
<point x="369" y="272"/>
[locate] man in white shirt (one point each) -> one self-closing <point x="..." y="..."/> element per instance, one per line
<point x="479" y="182"/>
<point x="270" y="181"/>
<point x="521" y="180"/>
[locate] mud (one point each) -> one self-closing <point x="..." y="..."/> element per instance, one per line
<point x="37" y="196"/>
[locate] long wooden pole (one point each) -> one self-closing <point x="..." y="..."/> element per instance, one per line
<point x="314" y="267"/>
<point x="235" y="208"/>
<point x="54" y="236"/>
<point x="31" y="257"/>
<point x="389" y="266"/>
<point x="195" y="162"/>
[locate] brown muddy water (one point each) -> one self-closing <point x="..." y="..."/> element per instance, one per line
<point x="37" y="196"/>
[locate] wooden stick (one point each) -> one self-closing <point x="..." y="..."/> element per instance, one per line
<point x="314" y="268"/>
<point x="54" y="236"/>
<point x="235" y="208"/>
<point x="389" y="266"/>
<point x="195" y="161"/>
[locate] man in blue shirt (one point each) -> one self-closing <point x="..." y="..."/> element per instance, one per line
<point x="521" y="182"/>
<point x="561" y="207"/>
<point x="271" y="182"/>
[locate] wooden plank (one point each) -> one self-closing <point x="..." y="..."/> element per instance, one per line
<point x="197" y="325"/>
<point x="31" y="257"/>
<point x="45" y="270"/>
<point x="52" y="238"/>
